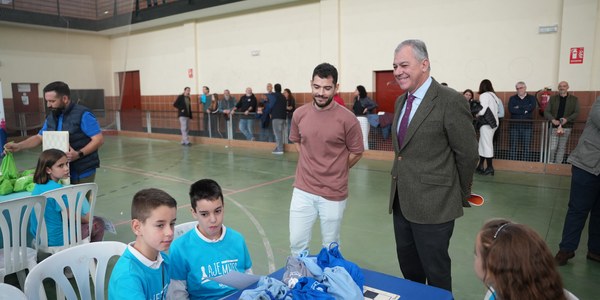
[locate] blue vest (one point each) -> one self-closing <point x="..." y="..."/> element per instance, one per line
<point x="77" y="138"/>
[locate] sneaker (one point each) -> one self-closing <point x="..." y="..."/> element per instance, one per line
<point x="562" y="257"/>
<point x="593" y="256"/>
<point x="278" y="152"/>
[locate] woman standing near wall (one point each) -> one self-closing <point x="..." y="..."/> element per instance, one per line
<point x="290" y="108"/>
<point x="363" y="105"/>
<point x="488" y="100"/>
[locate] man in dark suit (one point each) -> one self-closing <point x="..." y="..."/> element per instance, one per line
<point x="435" y="157"/>
<point x="562" y="111"/>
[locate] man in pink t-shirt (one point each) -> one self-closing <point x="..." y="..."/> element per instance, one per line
<point x="329" y="142"/>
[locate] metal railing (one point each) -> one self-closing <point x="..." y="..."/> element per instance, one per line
<point x="517" y="140"/>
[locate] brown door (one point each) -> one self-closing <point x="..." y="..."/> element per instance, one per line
<point x="386" y="90"/>
<point x="131" y="101"/>
<point x="29" y="112"/>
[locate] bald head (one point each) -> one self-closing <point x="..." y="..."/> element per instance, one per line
<point x="563" y="88"/>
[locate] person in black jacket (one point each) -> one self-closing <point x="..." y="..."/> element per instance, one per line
<point x="278" y="115"/>
<point x="184" y="112"/>
<point x="247" y="106"/>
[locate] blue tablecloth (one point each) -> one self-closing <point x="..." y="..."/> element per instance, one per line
<point x="14" y="196"/>
<point x="406" y="289"/>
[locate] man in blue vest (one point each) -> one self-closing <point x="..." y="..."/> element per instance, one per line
<point x="85" y="135"/>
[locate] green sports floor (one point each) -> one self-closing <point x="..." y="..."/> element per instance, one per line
<point x="258" y="188"/>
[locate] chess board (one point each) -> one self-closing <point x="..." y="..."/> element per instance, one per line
<point x="56" y="140"/>
<point x="375" y="294"/>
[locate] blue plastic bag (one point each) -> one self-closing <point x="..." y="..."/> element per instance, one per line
<point x="308" y="288"/>
<point x="267" y="289"/>
<point x="332" y="257"/>
<point x="340" y="284"/>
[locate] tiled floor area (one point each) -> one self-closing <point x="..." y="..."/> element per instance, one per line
<point x="257" y="188"/>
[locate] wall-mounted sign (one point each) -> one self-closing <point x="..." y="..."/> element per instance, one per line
<point x="24" y="87"/>
<point x="576" y="55"/>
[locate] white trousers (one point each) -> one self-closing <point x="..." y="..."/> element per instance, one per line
<point x="183" y="123"/>
<point x="364" y="127"/>
<point x="304" y="209"/>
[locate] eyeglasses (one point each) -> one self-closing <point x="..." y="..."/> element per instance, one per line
<point x="521" y="88"/>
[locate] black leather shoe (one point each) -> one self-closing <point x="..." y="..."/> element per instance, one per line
<point x="562" y="257"/>
<point x="593" y="256"/>
<point x="479" y="170"/>
<point x="489" y="171"/>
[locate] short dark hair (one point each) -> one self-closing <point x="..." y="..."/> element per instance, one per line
<point x="61" y="89"/>
<point x="47" y="159"/>
<point x="147" y="200"/>
<point x="205" y="189"/>
<point x="207" y="88"/>
<point x="277" y="88"/>
<point x="485" y="86"/>
<point x="325" y="70"/>
<point x="362" y="92"/>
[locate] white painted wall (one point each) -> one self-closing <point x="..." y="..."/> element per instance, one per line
<point x="288" y="40"/>
<point x="163" y="57"/>
<point x="43" y="56"/>
<point x="468" y="40"/>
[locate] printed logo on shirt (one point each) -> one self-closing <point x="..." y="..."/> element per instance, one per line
<point x="218" y="269"/>
<point x="162" y="294"/>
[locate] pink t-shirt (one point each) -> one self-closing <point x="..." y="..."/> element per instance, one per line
<point x="326" y="138"/>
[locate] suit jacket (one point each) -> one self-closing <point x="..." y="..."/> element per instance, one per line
<point x="571" y="109"/>
<point x="586" y="155"/>
<point x="182" y="109"/>
<point x="433" y="169"/>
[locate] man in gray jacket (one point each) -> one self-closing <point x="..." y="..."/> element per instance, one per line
<point x="585" y="192"/>
<point x="435" y="158"/>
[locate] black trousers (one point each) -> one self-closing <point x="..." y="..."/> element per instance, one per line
<point x="422" y="250"/>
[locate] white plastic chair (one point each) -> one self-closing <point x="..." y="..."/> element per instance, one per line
<point x="14" y="218"/>
<point x="9" y="292"/>
<point x="71" y="217"/>
<point x="79" y="258"/>
<point x="181" y="229"/>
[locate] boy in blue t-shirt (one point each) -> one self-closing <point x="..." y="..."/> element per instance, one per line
<point x="209" y="250"/>
<point x="142" y="272"/>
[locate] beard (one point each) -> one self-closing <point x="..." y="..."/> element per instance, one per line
<point x="56" y="112"/>
<point x="322" y="105"/>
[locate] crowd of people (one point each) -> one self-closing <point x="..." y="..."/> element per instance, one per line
<point x="273" y="111"/>
<point x="436" y="154"/>
<point x="561" y="112"/>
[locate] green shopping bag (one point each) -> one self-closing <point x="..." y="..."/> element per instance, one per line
<point x="9" y="169"/>
<point x="22" y="182"/>
<point x="6" y="187"/>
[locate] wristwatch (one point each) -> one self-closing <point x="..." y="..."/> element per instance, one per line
<point x="80" y="153"/>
